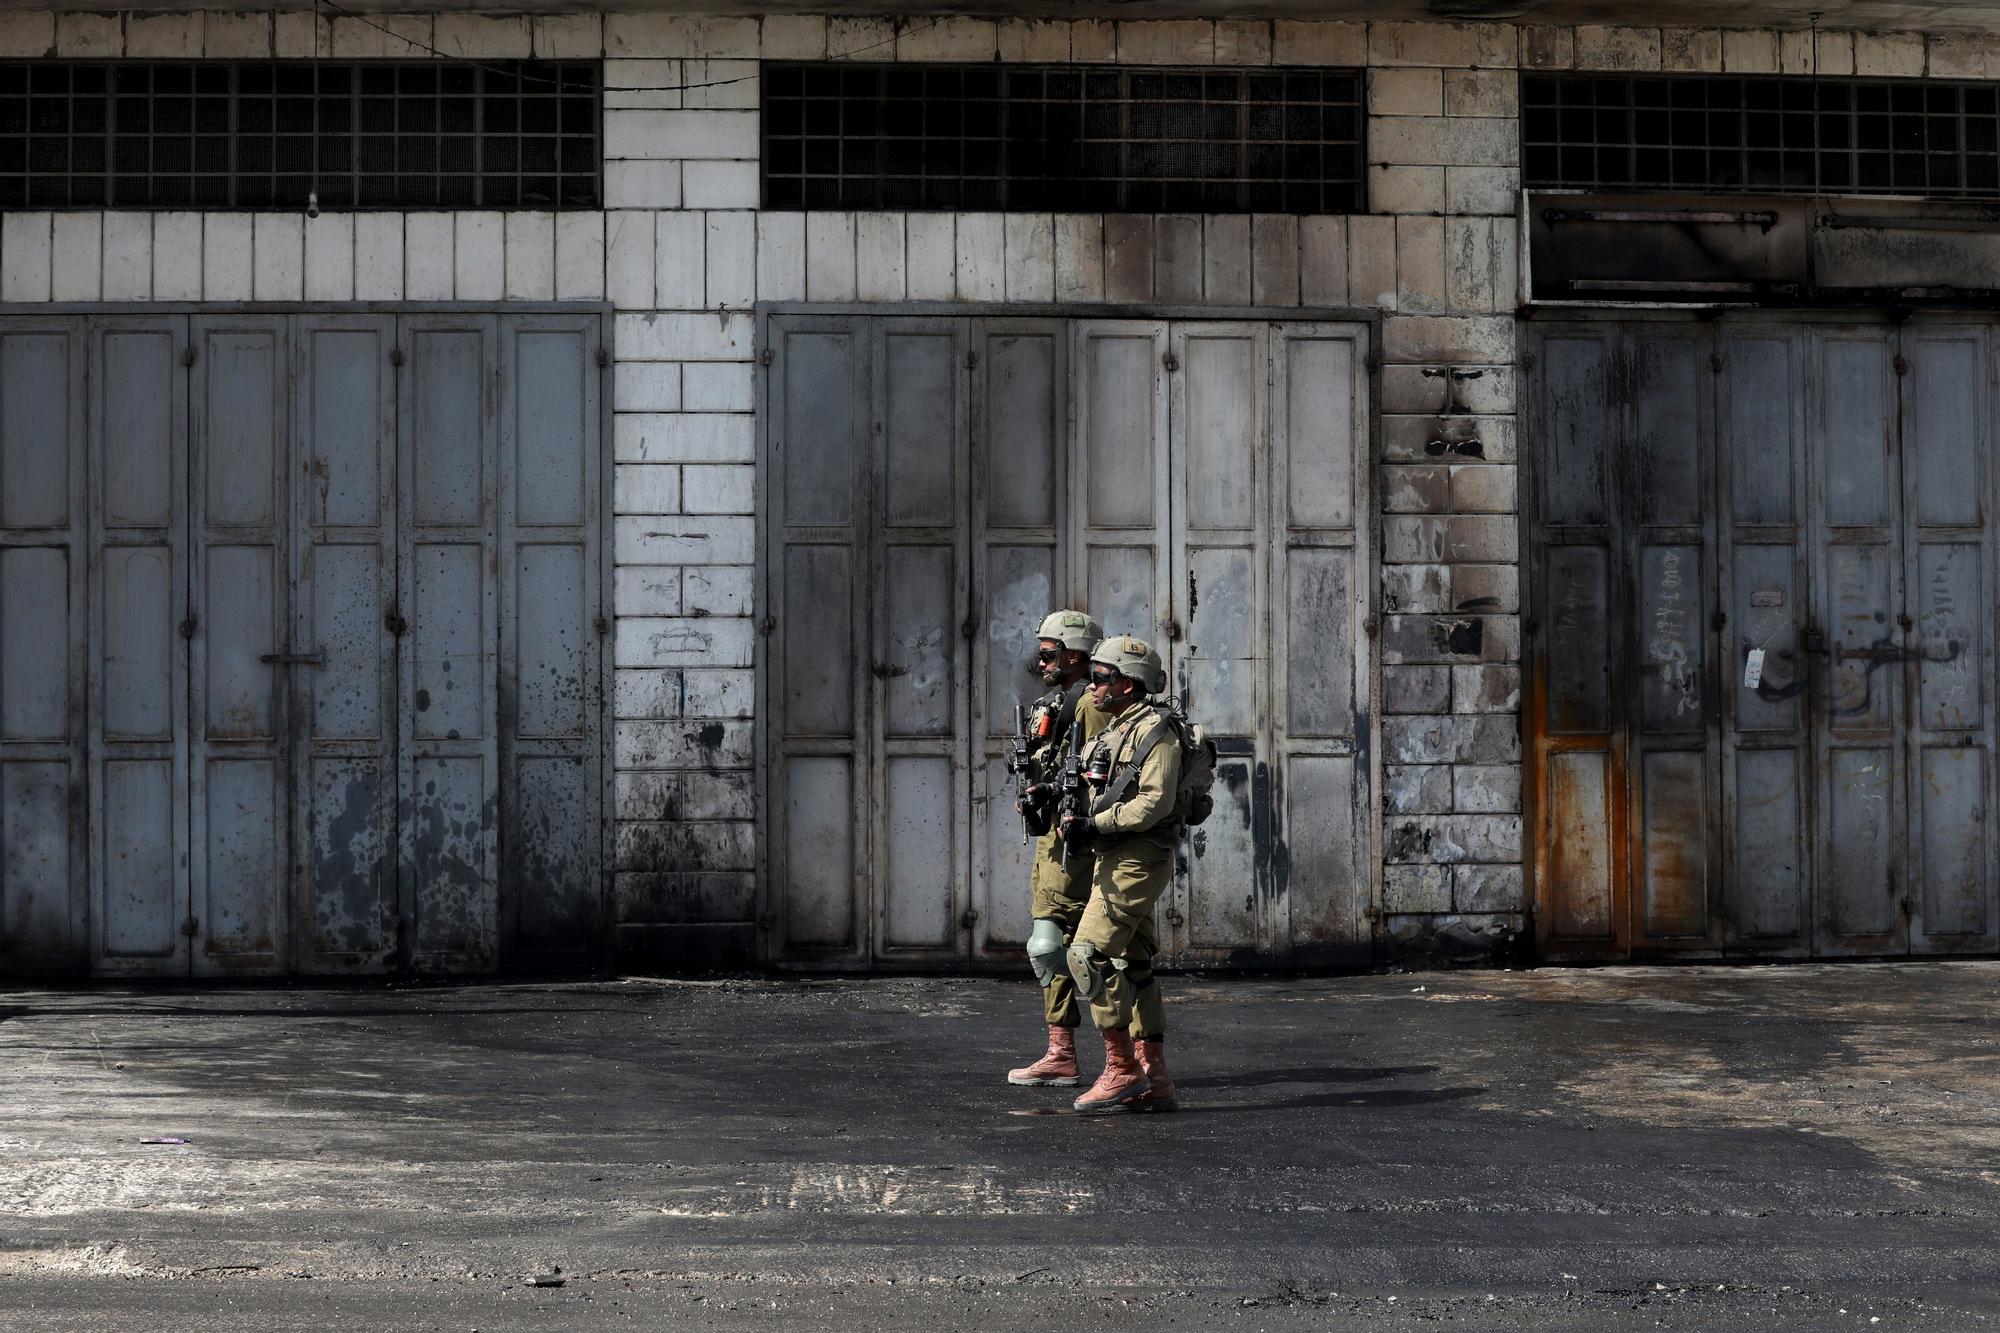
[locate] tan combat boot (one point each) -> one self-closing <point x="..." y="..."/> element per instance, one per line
<point x="1121" y="1081"/>
<point x="1057" y="1067"/>
<point x="1153" y="1059"/>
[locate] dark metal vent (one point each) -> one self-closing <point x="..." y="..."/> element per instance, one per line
<point x="1059" y="138"/>
<point x="265" y="134"/>
<point x="1776" y="135"/>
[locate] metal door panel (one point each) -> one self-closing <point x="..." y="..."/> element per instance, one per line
<point x="1580" y="846"/>
<point x="1319" y="638"/>
<point x="1673" y="677"/>
<point x="820" y="852"/>
<point x="139" y="601"/>
<point x="1953" y="844"/>
<point x="1676" y="804"/>
<point x="1766" y="607"/>
<point x="1577" y="377"/>
<point x="1326" y="853"/>
<point x="919" y="590"/>
<point x="448" y="557"/>
<point x="921" y="852"/>
<point x="819" y="676"/>
<point x="344" y="775"/>
<point x="1119" y="477"/>
<point x="1763" y="393"/>
<point x="551" y="888"/>
<point x="43" y="646"/>
<point x="1769" y="884"/>
<point x="1122" y="588"/>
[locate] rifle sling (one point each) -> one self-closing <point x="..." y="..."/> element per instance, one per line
<point x="1127" y="773"/>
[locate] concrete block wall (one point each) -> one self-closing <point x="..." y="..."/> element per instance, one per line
<point x="682" y="253"/>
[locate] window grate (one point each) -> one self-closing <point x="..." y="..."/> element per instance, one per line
<point x="1772" y="135"/>
<point x="266" y="134"/>
<point x="1059" y="138"/>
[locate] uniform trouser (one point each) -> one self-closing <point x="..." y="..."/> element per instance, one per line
<point x="1059" y="895"/>
<point x="1130" y="876"/>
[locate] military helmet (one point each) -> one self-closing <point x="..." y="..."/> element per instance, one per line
<point x="1072" y="629"/>
<point x="1135" y="658"/>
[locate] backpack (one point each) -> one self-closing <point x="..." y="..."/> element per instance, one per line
<point x="1193" y="801"/>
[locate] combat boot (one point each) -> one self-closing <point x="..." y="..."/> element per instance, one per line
<point x="1153" y="1059"/>
<point x="1057" y="1067"/>
<point x="1121" y="1081"/>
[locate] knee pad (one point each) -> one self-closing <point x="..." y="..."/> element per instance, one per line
<point x="1045" y="951"/>
<point x="1091" y="970"/>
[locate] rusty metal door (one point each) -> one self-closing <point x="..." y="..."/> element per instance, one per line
<point x="43" y="625"/>
<point x="1760" y="696"/>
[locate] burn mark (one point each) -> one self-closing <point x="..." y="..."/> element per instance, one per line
<point x="1462" y="637"/>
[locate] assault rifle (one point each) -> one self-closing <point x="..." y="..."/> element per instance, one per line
<point x="1072" y="798"/>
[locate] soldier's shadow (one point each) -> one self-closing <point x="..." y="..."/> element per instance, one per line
<point x="1257" y="1078"/>
<point x="1357" y="1097"/>
<point x="1376" y="1098"/>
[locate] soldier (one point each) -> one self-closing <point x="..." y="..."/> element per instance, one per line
<point x="1060" y="886"/>
<point x="1131" y="828"/>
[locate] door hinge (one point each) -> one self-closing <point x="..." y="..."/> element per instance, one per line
<point x="1172" y="628"/>
<point x="603" y="357"/>
<point x="1174" y="916"/>
<point x="1718" y="620"/>
<point x="970" y="919"/>
<point x="191" y="927"/>
<point x="1370" y="626"/>
<point x="970" y="629"/>
<point x="767" y="626"/>
<point x="1373" y="911"/>
<point x="395" y="624"/>
<point x="1171" y="362"/>
<point x="765" y="357"/>
<point x="189" y="626"/>
<point x="972" y="360"/>
<point x="187" y="355"/>
<point x="602" y="626"/>
<point x="1715" y="362"/>
<point x="1527" y="360"/>
<point x="1902" y="364"/>
<point x="396" y="357"/>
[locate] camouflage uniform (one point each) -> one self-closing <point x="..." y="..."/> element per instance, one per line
<point x="1060" y="892"/>
<point x="1133" y="854"/>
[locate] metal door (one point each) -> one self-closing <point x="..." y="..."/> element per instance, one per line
<point x="43" y="625"/>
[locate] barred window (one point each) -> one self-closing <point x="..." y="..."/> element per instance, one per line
<point x="1059" y="138"/>
<point x="265" y="134"/>
<point x="1773" y="135"/>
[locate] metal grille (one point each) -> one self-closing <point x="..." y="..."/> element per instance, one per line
<point x="1062" y="139"/>
<point x="380" y="134"/>
<point x="1769" y="135"/>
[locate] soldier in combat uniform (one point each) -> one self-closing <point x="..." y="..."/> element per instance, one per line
<point x="1060" y="886"/>
<point x="1131" y="828"/>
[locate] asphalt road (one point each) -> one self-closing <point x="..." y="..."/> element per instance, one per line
<point x="1696" y="1148"/>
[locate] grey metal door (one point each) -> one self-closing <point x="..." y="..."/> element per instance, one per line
<point x="44" y="560"/>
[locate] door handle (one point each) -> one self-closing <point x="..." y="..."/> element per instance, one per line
<point x="317" y="659"/>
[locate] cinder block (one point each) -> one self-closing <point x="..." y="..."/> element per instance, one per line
<point x="1453" y="839"/>
<point x="719" y="488"/>
<point x="1406" y="92"/>
<point x="428" y="262"/>
<point x="1416" y="589"/>
<point x="1473" y="272"/>
<point x="1311" y="43"/>
<point x="931" y="262"/>
<point x="719" y="185"/>
<point x="579" y="256"/>
<point x="1750" y="52"/>
<point x="645" y="488"/>
<point x="1483" y="488"/>
<point x="1835" y="55"/>
<point x="1486" y="589"/>
<point x="1416" y="689"/>
<point x="700" y="539"/>
<point x="299" y="35"/>
<point x="731" y="238"/>
<point x="700" y="35"/>
<point x="1452" y="339"/>
<point x="278" y="256"/>
<point x="1461" y="45"/>
<point x="981" y="257"/>
<point x="860" y="39"/>
<point x="530" y="256"/>
<point x="177" y="257"/>
<point x="1475" y="390"/>
<point x="1544" y="47"/>
<point x="646" y="590"/>
<point x="1470" y="191"/>
<point x="330" y="257"/>
<point x="1406" y="189"/>
<point x="681" y="134"/>
<point x="628" y="259"/>
<point x="647" y="796"/>
<point x="1426" y="638"/>
<point x="1177" y="266"/>
<point x="721" y="84"/>
<point x="1487" y="888"/>
<point x="948" y="39"/>
<point x="781" y="256"/>
<point x="1486" y="689"/>
<point x="1416" y="888"/>
<point x="1323" y="262"/>
<point x="1417" y="789"/>
<point x="1240" y="42"/>
<point x="77" y="262"/>
<point x="1274" y="259"/>
<point x="1481" y="92"/>
<point x="1030" y="256"/>
<point x="226" y="35"/>
<point x="378" y="255"/>
<point x="684" y="437"/>
<point x="794" y="37"/>
<point x="1416" y="488"/>
<point x="647" y="386"/>
<point x="1093" y="41"/>
<point x="1420" y="265"/>
<point x="1444" y="141"/>
<point x="1034" y="40"/>
<point x="829" y="256"/>
<point x="1481" y="539"/>
<point x="643" y="85"/>
<point x="30" y="34"/>
<point x="1460" y="738"/>
<point x="479" y="257"/>
<point x="225" y="255"/>
<point x="397" y="36"/>
<point x="480" y="36"/>
<point x="1410" y="439"/>
<point x="1795" y="52"/>
<point x="1166" y="42"/>
<point x="1371" y="262"/>
<point x="28" y="242"/>
<point x="878" y="257"/>
<point x="679" y="261"/>
<point x="720" y="590"/>
<point x="1960" y="56"/>
<point x="720" y="796"/>
<point x="1889" y="55"/>
<point x="1128" y="257"/>
<point x="645" y="694"/>
<point x="128" y="256"/>
<point x="682" y="849"/>
<point x="670" y="336"/>
<point x="81" y="36"/>
<point x="1691" y="50"/>
<point x="1225" y="259"/>
<point x="1610" y="48"/>
<point x="568" y="36"/>
<point x="1079" y="257"/>
<point x="163" y="36"/>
